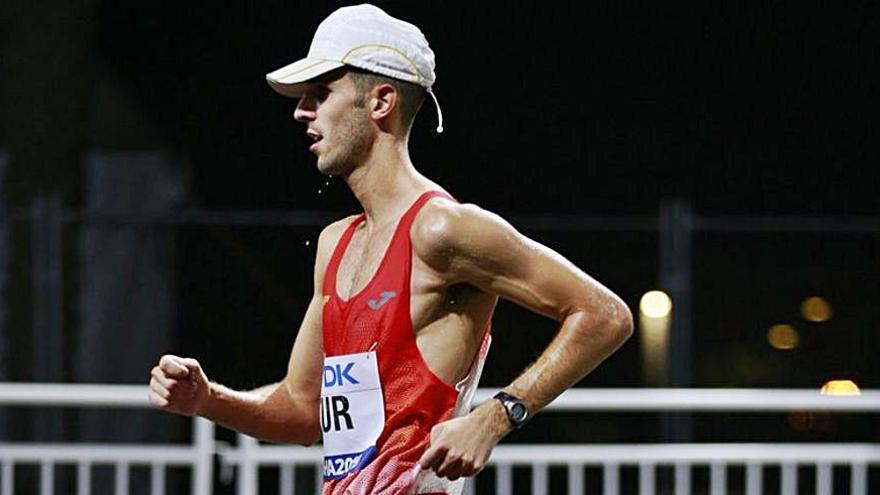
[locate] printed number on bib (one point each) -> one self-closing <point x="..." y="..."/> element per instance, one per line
<point x="352" y="413"/>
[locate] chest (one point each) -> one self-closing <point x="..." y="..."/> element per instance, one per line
<point x="377" y="268"/>
<point x="362" y="260"/>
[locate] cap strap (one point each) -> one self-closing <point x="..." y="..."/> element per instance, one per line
<point x="439" y="113"/>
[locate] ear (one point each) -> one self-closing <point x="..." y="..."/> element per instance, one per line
<point x="383" y="101"/>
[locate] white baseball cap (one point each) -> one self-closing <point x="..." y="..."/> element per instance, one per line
<point x="366" y="37"/>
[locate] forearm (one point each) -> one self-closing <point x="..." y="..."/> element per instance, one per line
<point x="265" y="390"/>
<point x="268" y="413"/>
<point x="584" y="340"/>
<point x="462" y="446"/>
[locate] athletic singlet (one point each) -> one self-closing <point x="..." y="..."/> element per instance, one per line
<point x="379" y="399"/>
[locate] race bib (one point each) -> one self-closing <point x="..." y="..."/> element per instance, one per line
<point x="352" y="413"/>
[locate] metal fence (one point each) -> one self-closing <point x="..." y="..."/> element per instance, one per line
<point x="248" y="455"/>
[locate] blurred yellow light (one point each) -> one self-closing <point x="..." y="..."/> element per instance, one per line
<point x="816" y="309"/>
<point x="655" y="304"/>
<point x="783" y="337"/>
<point x="841" y="387"/>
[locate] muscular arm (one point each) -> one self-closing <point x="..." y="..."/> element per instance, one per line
<point x="287" y="411"/>
<point x="594" y="322"/>
<point x="472" y="246"/>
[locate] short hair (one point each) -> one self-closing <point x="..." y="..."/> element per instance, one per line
<point x="411" y="95"/>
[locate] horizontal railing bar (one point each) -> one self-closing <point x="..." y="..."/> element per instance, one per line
<point x="716" y="399"/>
<point x="97" y="453"/>
<point x="788" y="224"/>
<point x="209" y="218"/>
<point x="560" y="222"/>
<point x="315" y="218"/>
<point x="630" y="454"/>
<point x="74" y="395"/>
<point x="318" y="218"/>
<point x="581" y="399"/>
<point x="735" y="453"/>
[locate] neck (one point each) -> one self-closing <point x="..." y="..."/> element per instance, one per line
<point x="386" y="182"/>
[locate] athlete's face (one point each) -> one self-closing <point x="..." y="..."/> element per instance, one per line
<point x="337" y="121"/>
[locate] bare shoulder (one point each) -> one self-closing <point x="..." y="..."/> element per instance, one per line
<point x="445" y="231"/>
<point x="329" y="237"/>
<point x="332" y="232"/>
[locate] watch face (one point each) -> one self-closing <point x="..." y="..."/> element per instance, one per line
<point x="518" y="412"/>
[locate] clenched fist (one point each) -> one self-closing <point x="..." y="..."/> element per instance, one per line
<point x="461" y="447"/>
<point x="178" y="385"/>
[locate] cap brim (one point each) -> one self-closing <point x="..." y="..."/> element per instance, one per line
<point x="290" y="80"/>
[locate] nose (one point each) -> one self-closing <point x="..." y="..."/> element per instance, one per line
<point x="305" y="109"/>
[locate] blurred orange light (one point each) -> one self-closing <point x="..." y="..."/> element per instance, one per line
<point x="841" y="387"/>
<point x="816" y="309"/>
<point x="783" y="337"/>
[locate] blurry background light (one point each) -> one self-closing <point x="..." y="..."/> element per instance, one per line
<point x="655" y="304"/>
<point x="841" y="387"/>
<point x="655" y="320"/>
<point x="816" y="309"/>
<point x="783" y="337"/>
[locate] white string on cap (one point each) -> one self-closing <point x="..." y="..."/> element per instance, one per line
<point x="439" y="113"/>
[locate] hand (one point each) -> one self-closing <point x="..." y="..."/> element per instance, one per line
<point x="462" y="446"/>
<point x="179" y="385"/>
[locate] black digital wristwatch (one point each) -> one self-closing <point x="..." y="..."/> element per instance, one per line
<point x="515" y="408"/>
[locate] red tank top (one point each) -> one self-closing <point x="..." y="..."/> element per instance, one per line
<point x="375" y="326"/>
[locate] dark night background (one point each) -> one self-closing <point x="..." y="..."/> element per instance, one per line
<point x="558" y="108"/>
<point x="550" y="107"/>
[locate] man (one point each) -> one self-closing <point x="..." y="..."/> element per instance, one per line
<point x="392" y="343"/>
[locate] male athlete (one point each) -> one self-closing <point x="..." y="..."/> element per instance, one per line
<point x="392" y="344"/>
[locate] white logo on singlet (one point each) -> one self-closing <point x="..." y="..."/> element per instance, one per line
<point x="386" y="296"/>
